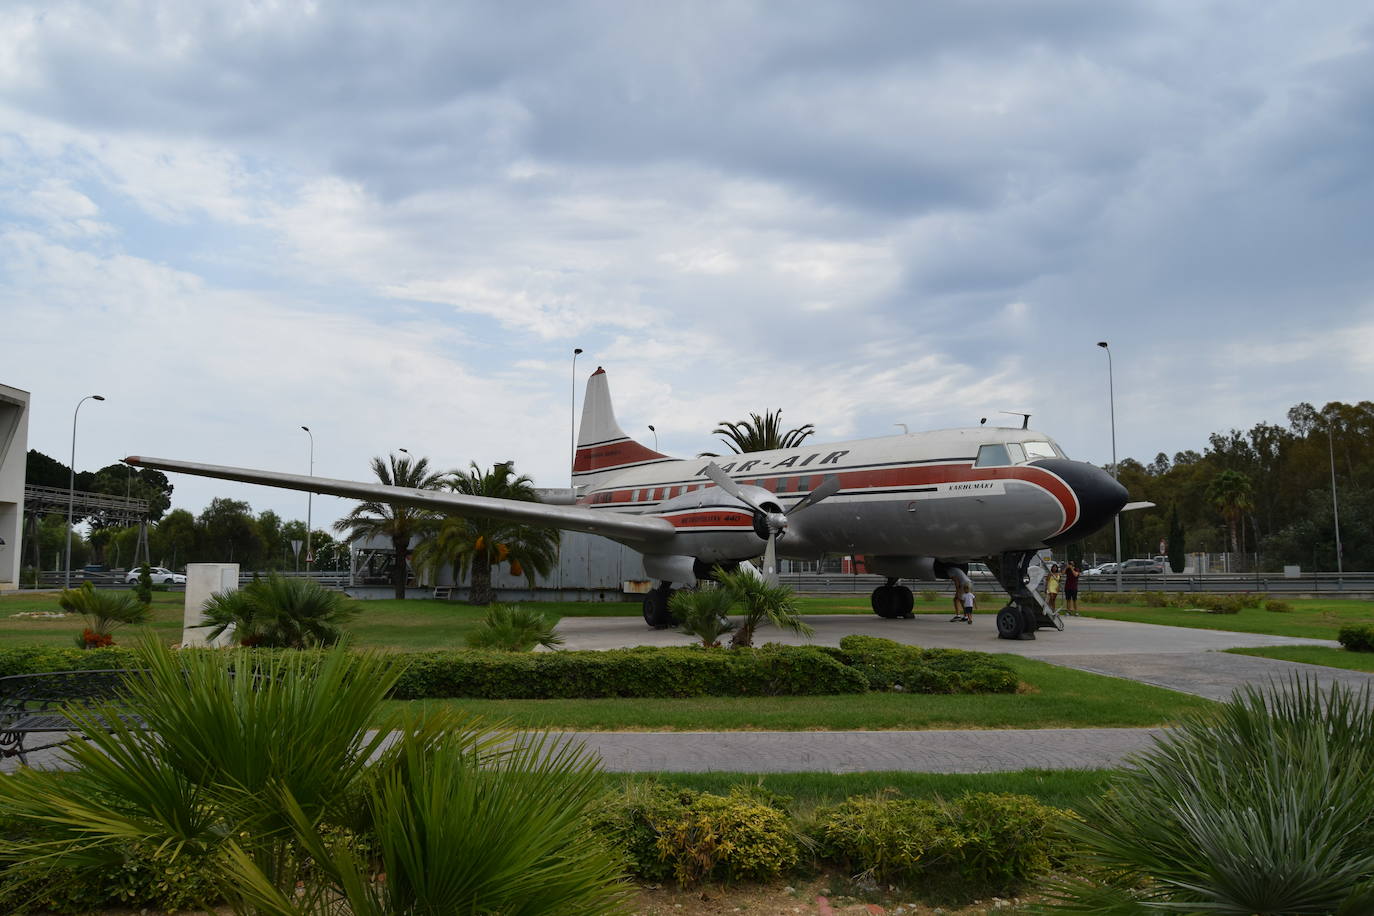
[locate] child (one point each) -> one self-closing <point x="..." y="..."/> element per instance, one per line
<point x="969" y="600"/>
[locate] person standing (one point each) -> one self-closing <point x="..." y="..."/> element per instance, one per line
<point x="1071" y="575"/>
<point x="958" y="602"/>
<point x="969" y="600"/>
<point x="1052" y="586"/>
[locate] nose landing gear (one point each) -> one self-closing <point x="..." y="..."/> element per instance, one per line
<point x="1023" y="614"/>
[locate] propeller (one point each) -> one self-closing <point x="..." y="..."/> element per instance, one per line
<point x="776" y="521"/>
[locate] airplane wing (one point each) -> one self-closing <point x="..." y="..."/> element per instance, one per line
<point x="574" y="518"/>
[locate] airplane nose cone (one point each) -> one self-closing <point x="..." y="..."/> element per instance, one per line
<point x="1100" y="497"/>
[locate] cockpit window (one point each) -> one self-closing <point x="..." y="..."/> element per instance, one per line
<point x="1017" y="453"/>
<point x="1041" y="450"/>
<point x="991" y="456"/>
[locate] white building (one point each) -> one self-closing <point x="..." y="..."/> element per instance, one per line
<point x="14" y="449"/>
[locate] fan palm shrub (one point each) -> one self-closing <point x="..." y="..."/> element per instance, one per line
<point x="512" y="628"/>
<point x="458" y="829"/>
<point x="281" y="782"/>
<point x="703" y="612"/>
<point x="104" y="612"/>
<point x="761" y="600"/>
<point x="282" y="613"/>
<point x="1266" y="806"/>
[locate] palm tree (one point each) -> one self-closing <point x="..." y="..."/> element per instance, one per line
<point x="761" y="600"/>
<point x="761" y="433"/>
<point x="399" y="523"/>
<point x="478" y="544"/>
<point x="1232" y="494"/>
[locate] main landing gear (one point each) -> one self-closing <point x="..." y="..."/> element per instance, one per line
<point x="656" y="613"/>
<point x="1023" y="614"/>
<point x="892" y="601"/>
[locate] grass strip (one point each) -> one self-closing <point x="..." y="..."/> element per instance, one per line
<point x="1317" y="618"/>
<point x="807" y="791"/>
<point x="1055" y="697"/>
<point x="1315" y="655"/>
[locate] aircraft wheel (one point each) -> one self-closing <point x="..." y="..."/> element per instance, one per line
<point x="656" y="613"/>
<point x="906" y="601"/>
<point x="886" y="602"/>
<point x="1010" y="624"/>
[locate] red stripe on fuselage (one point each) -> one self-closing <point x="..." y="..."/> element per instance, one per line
<point x="888" y="478"/>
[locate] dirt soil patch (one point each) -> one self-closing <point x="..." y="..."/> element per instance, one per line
<point x="818" y="898"/>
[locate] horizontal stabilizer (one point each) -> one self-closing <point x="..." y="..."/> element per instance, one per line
<point x="571" y="518"/>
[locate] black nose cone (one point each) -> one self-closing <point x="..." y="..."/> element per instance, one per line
<point x="1099" y="497"/>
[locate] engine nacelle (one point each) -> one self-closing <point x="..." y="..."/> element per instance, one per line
<point x="926" y="569"/>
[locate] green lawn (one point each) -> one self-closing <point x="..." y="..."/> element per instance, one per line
<point x="1316" y="655"/>
<point x="1055" y="698"/>
<point x="807" y="791"/>
<point x="1320" y="618"/>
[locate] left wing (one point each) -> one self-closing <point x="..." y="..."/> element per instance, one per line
<point x="615" y="525"/>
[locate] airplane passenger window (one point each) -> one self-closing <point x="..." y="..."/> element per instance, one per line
<point x="991" y="456"/>
<point x="1040" y="450"/>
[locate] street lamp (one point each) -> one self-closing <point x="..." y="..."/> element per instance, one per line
<point x="1111" y="394"/>
<point x="1335" y="508"/>
<point x="71" y="484"/>
<point x="655" y="432"/>
<point x="308" y="497"/>
<point x="572" y="419"/>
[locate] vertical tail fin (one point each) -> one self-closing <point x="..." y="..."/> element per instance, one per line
<point x="602" y="446"/>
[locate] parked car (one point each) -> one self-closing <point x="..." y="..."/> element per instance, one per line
<point x="1142" y="566"/>
<point x="1099" y="570"/>
<point x="160" y="576"/>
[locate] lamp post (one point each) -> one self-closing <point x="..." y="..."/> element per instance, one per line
<point x="308" y="497"/>
<point x="71" y="485"/>
<point x="1111" y="396"/>
<point x="572" y="418"/>
<point x="1335" y="508"/>
<point x="655" y="432"/>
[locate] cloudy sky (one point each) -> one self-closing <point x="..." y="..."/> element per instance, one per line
<point x="394" y="222"/>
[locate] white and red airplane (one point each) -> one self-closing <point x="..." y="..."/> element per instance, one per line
<point x="917" y="506"/>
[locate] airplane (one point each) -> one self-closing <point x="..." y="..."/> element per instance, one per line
<point x="915" y="506"/>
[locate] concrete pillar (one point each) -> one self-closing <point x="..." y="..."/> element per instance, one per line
<point x="202" y="581"/>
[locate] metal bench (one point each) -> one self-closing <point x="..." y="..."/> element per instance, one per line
<point x="33" y="704"/>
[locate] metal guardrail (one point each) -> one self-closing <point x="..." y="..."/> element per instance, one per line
<point x="1271" y="583"/>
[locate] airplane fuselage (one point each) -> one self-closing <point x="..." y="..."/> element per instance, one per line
<point x="951" y="494"/>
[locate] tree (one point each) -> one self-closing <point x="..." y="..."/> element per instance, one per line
<point x="761" y="433"/>
<point x="1177" y="554"/>
<point x="400" y="524"/>
<point x="479" y="544"/>
<point x="229" y="531"/>
<point x="1231" y="493"/>
<point x="277" y="612"/>
<point x="174" y="538"/>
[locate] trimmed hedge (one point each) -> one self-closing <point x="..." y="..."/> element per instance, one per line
<point x="1357" y="638"/>
<point x="888" y="665"/>
<point x="861" y="664"/>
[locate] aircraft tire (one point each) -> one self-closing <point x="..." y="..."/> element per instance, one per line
<point x="906" y="602"/>
<point x="1010" y="623"/>
<point x="886" y="602"/>
<point x="656" y="613"/>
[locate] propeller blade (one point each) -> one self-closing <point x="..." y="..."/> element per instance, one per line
<point x="722" y="480"/>
<point x="770" y="558"/>
<point x="828" y="488"/>
<point x="1131" y="507"/>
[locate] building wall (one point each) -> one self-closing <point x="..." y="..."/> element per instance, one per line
<point x="14" y="448"/>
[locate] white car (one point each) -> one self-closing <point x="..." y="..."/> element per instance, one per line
<point x="1099" y="570"/>
<point x="160" y="576"/>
